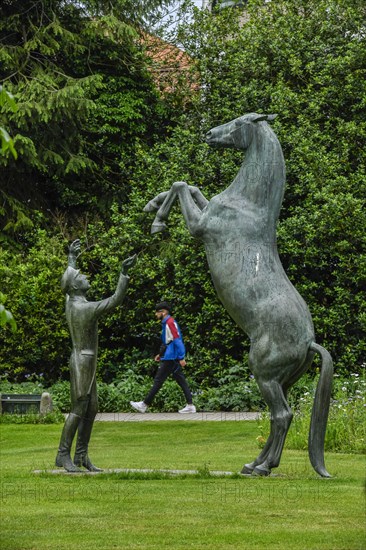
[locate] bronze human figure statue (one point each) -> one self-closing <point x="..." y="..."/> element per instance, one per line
<point x="82" y="319"/>
<point x="238" y="229"/>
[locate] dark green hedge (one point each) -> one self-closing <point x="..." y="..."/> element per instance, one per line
<point x="303" y="60"/>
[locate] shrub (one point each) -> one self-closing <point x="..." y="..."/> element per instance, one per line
<point x="31" y="284"/>
<point x="236" y="391"/>
<point x="34" y="385"/>
<point x="60" y="393"/>
<point x="54" y="417"/>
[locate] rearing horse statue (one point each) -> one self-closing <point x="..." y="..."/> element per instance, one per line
<point x="238" y="229"/>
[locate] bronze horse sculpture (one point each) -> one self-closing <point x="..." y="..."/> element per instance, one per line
<point x="238" y="229"/>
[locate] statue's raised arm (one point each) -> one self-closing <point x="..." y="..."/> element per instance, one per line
<point x="74" y="253"/>
<point x="129" y="262"/>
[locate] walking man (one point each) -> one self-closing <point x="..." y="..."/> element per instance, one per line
<point x="171" y="360"/>
<point x="82" y="318"/>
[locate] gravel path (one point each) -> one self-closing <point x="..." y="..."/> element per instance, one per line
<point x="199" y="416"/>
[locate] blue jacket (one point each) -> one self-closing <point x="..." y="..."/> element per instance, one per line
<point x="171" y="336"/>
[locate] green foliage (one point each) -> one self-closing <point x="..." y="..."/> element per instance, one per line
<point x="6" y="317"/>
<point x="122" y="145"/>
<point x="54" y="417"/>
<point x="165" y="269"/>
<point x="346" y="430"/>
<point x="31" y="285"/>
<point x="32" y="386"/>
<point x="84" y="97"/>
<point x="235" y="391"/>
<point x="6" y="98"/>
<point x="305" y="61"/>
<point x="61" y="397"/>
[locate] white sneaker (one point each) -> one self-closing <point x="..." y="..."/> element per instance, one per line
<point x="188" y="409"/>
<point x="140" y="406"/>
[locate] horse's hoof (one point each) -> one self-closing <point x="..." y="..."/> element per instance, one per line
<point x="151" y="206"/>
<point x="247" y="469"/>
<point x="157" y="226"/>
<point x="261" y="471"/>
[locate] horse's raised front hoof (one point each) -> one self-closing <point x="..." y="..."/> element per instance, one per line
<point x="157" y="226"/>
<point x="261" y="470"/>
<point x="151" y="206"/>
<point x="247" y="469"/>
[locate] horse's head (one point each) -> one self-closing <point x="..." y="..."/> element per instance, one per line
<point x="237" y="133"/>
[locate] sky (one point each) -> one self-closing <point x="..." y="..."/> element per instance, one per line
<point x="172" y="8"/>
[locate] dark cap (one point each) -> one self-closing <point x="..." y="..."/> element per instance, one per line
<point x="163" y="305"/>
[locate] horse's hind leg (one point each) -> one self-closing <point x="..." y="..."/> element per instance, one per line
<point x="249" y="468"/>
<point x="281" y="417"/>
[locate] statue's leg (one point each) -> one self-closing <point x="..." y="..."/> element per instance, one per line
<point x="191" y="211"/>
<point x="63" y="458"/>
<point x="281" y="417"/>
<point x="164" y="210"/>
<point x="156" y="202"/>
<point x="78" y="408"/>
<point x="164" y="202"/>
<point x="85" y="427"/>
<point x="72" y="424"/>
<point x="198" y="196"/>
<point x="249" y="468"/>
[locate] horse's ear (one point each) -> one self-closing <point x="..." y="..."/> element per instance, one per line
<point x="259" y="118"/>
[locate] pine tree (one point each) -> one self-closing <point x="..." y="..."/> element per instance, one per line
<point x="62" y="61"/>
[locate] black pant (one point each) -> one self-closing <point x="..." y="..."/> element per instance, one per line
<point x="167" y="368"/>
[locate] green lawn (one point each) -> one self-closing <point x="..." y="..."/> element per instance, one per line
<point x="293" y="509"/>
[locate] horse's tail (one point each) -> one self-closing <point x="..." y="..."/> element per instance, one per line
<point x="319" y="415"/>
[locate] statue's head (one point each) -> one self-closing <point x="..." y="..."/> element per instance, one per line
<point x="237" y="133"/>
<point x="73" y="281"/>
